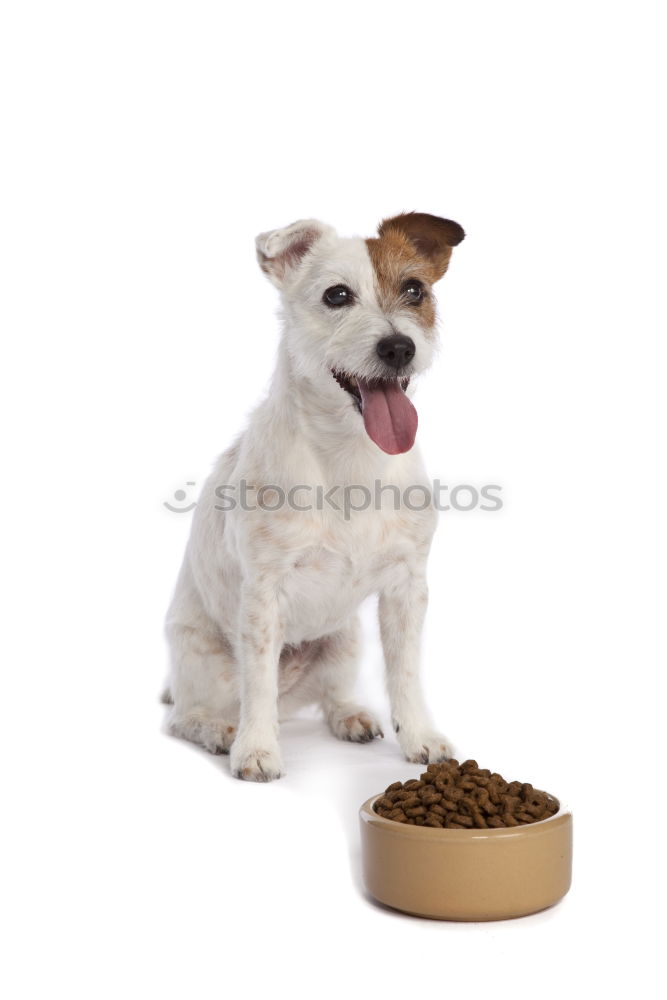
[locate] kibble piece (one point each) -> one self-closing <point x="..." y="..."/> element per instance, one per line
<point x="463" y="820"/>
<point x="430" y="798"/>
<point x="398" y="815"/>
<point x="403" y="794"/>
<point x="416" y="811"/>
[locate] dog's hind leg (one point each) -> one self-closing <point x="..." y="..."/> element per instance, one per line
<point x="203" y="684"/>
<point x="336" y="671"/>
<point x="204" y="688"/>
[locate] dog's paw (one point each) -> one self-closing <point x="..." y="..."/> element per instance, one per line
<point x="259" y="764"/>
<point x="358" y="725"/>
<point x="215" y="735"/>
<point x="426" y="748"/>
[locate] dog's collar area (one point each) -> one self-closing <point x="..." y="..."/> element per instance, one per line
<point x="351" y="386"/>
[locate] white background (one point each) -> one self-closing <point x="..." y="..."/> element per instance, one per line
<point x="145" y="144"/>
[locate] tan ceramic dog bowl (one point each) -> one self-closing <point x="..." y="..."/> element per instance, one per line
<point x="466" y="874"/>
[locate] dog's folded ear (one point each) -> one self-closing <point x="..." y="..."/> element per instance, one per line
<point x="431" y="236"/>
<point x="280" y="251"/>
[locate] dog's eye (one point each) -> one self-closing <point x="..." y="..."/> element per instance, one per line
<point x="414" y="290"/>
<point x="338" y="295"/>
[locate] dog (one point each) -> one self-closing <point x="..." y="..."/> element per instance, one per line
<point x="264" y="618"/>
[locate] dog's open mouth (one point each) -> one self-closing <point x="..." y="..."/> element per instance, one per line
<point x="390" y="418"/>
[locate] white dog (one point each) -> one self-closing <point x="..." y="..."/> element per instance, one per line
<point x="305" y="515"/>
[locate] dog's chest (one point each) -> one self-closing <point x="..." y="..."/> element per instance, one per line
<point x="333" y="574"/>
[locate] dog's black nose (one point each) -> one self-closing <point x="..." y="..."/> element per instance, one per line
<point x="396" y="350"/>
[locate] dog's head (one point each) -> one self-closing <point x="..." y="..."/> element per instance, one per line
<point x="361" y="315"/>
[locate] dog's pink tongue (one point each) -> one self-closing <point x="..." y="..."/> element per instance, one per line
<point x="390" y="418"/>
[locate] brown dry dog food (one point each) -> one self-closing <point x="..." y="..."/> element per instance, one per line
<point x="462" y="796"/>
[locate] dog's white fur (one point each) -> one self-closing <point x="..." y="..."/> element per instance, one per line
<point x="264" y="617"/>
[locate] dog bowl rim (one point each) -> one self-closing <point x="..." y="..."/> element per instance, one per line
<point x="408" y="831"/>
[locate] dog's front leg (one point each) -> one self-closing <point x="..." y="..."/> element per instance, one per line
<point x="402" y="608"/>
<point x="255" y="753"/>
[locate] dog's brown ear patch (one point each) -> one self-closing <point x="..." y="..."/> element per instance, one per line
<point x="431" y="236"/>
